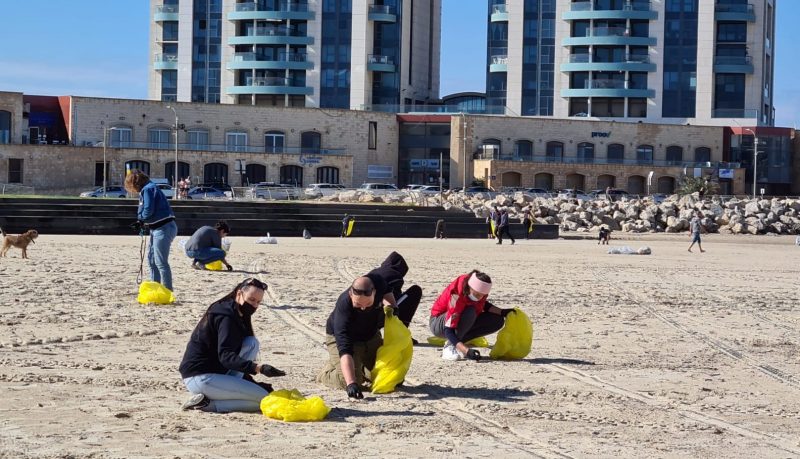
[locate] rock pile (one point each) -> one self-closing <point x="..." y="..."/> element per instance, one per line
<point x="732" y="216"/>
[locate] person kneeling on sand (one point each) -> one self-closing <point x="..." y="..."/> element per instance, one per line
<point x="219" y="359"/>
<point x="205" y="245"/>
<point x="353" y="334"/>
<point x="463" y="313"/>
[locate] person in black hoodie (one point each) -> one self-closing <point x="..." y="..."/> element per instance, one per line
<point x="393" y="269"/>
<point x="219" y="358"/>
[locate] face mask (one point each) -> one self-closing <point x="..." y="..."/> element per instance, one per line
<point x="472" y="297"/>
<point x="247" y="309"/>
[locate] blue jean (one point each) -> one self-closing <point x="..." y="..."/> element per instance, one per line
<point x="158" y="253"/>
<point x="206" y="255"/>
<point x="229" y="392"/>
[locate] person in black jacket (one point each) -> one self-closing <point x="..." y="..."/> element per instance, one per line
<point x="219" y="358"/>
<point x="393" y="269"/>
<point x="353" y="334"/>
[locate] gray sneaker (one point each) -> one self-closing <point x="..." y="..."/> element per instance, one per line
<point x="196" y="402"/>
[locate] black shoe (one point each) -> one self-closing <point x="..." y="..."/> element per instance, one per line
<point x="196" y="402"/>
<point x="512" y="242"/>
<point x="498" y="243"/>
<point x="414" y="342"/>
<point x="266" y="386"/>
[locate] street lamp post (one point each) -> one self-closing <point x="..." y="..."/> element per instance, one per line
<point x="105" y="165"/>
<point x="755" y="159"/>
<point x="464" y="147"/>
<point x="175" y="178"/>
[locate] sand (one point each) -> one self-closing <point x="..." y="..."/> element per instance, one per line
<point x="669" y="355"/>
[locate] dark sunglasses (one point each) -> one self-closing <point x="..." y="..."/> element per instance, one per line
<point x="359" y="292"/>
<point x="254" y="283"/>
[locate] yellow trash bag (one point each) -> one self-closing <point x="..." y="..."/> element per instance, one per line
<point x="394" y="356"/>
<point x="350" y="226"/>
<point x="291" y="406"/>
<point x="480" y="341"/>
<point x="515" y="338"/>
<point x="214" y="266"/>
<point x="153" y="292"/>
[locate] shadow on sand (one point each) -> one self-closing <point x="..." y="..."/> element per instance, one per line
<point x="436" y="392"/>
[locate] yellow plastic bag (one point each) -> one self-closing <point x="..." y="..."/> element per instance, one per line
<point x="394" y="357"/>
<point x="480" y="341"/>
<point x="350" y="226"/>
<point x="153" y="292"/>
<point x="515" y="338"/>
<point x="291" y="406"/>
<point x="214" y="266"/>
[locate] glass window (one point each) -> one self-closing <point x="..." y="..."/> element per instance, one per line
<point x="159" y="137"/>
<point x="215" y="173"/>
<point x="615" y="154"/>
<point x="143" y="166"/>
<point x="644" y="154"/>
<point x="274" y="141"/>
<point x="732" y="32"/>
<point x="637" y="108"/>
<point x="197" y="139"/>
<point x="674" y="155"/>
<point x="5" y="126"/>
<point x="15" y="170"/>
<point x="255" y="173"/>
<point x="311" y="141"/>
<point x="491" y="149"/>
<point x="291" y="175"/>
<point x="328" y="174"/>
<point x="585" y="152"/>
<point x="373" y="135"/>
<point x="702" y="154"/>
<point x="169" y="31"/>
<point x="236" y="141"/>
<point x="169" y="171"/>
<point x="120" y="137"/>
<point x="523" y="150"/>
<point x="555" y="152"/>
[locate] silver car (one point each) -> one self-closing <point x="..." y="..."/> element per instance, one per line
<point x="318" y="190"/>
<point x="111" y="192"/>
<point x="204" y="192"/>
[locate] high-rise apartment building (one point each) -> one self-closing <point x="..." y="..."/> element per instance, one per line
<point x="666" y="61"/>
<point x="376" y="54"/>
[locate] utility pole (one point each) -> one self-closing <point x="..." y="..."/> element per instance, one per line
<point x="175" y="182"/>
<point x="464" y="148"/>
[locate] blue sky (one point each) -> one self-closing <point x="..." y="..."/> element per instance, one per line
<point x="100" y="48"/>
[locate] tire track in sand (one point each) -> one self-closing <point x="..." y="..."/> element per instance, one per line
<point x="490" y="427"/>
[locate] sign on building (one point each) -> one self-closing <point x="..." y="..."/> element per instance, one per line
<point x="307" y="159"/>
<point x="379" y="171"/>
<point x="726" y="173"/>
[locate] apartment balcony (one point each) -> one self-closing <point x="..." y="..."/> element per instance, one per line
<point x="382" y="13"/>
<point x="499" y="13"/>
<point x="608" y="88"/>
<point x="290" y="61"/>
<point x="634" y="9"/>
<point x="270" y="85"/>
<point x="733" y="64"/>
<point x="165" y="62"/>
<point x="723" y="12"/>
<point x="166" y="13"/>
<point x="296" y="11"/>
<point x="379" y="63"/>
<point x="274" y="35"/>
<point x="499" y="63"/>
<point x="586" y="63"/>
<point x="608" y="36"/>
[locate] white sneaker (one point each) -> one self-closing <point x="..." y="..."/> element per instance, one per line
<point x="450" y="353"/>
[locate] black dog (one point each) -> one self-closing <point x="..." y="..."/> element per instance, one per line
<point x="605" y="235"/>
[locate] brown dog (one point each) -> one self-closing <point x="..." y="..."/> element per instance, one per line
<point x="21" y="242"/>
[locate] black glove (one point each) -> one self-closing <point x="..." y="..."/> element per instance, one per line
<point x="473" y="354"/>
<point x="139" y="226"/>
<point x="270" y="371"/>
<point x="266" y="386"/>
<point x="506" y="312"/>
<point x="353" y="391"/>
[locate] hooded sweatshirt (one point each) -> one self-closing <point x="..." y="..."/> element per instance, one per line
<point x="216" y="342"/>
<point x="392" y="270"/>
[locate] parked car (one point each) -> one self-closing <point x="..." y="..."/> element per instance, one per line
<point x="658" y="198"/>
<point x="205" y="192"/>
<point x="429" y="189"/>
<point x="317" y="190"/>
<point x="471" y="190"/>
<point x="223" y="187"/>
<point x="538" y="193"/>
<point x="111" y="192"/>
<point x="272" y="190"/>
<point x="413" y="187"/>
<point x="614" y="193"/>
<point x="166" y="189"/>
<point x="573" y="194"/>
<point x="378" y="188"/>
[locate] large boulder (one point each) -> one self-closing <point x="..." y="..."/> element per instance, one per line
<point x="611" y="223"/>
<point x="368" y="197"/>
<point x="751" y="209"/>
<point x="349" y="196"/>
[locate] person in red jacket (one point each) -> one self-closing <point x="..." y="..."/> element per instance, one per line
<point x="462" y="313"/>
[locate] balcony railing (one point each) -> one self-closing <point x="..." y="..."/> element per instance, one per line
<point x="283" y="6"/>
<point x="382" y="9"/>
<point x="275" y="31"/>
<point x="605" y="84"/>
<point x="499" y="9"/>
<point x="607" y="32"/>
<point x="232" y="147"/>
<point x="732" y="60"/>
<point x="380" y="59"/>
<point x="603" y="161"/>
<point x="165" y="58"/>
<point x="167" y="9"/>
<point x="501" y="59"/>
<point x="270" y="81"/>
<point x="726" y="8"/>
<point x="637" y="5"/>
<point x="283" y="56"/>
<point x="587" y="59"/>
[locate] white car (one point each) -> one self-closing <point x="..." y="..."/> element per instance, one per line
<point x="317" y="190"/>
<point x="429" y="189"/>
<point x="413" y="187"/>
<point x="574" y="194"/>
<point x="205" y="192"/>
<point x="378" y="189"/>
<point x="111" y="192"/>
<point x="271" y="190"/>
<point x="166" y="189"/>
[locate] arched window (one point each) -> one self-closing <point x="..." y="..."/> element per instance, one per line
<point x="120" y="136"/>
<point x="644" y="154"/>
<point x="215" y="173"/>
<point x="555" y="152"/>
<point x="236" y="141"/>
<point x="274" y="141"/>
<point x="666" y="185"/>
<point x="674" y="155"/>
<point x="292" y="175"/>
<point x="636" y="184"/>
<point x="523" y="150"/>
<point x="511" y="179"/>
<point x="490" y="149"/>
<point x="197" y="139"/>
<point x="159" y="137"/>
<point x="585" y="152"/>
<point x="310" y="142"/>
<point x="143" y="166"/>
<point x="543" y="180"/>
<point x="576" y="181"/>
<point x="615" y="154"/>
<point x="328" y="174"/>
<point x="255" y="173"/>
<point x="169" y="171"/>
<point x="702" y="155"/>
<point x="5" y="126"/>
<point x="605" y="181"/>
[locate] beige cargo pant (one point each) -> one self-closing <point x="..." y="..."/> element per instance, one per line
<point x="364" y="353"/>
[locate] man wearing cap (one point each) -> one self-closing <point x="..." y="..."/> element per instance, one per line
<point x="353" y="334"/>
<point x="462" y="313"/>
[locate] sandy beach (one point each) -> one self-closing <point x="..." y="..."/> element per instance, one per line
<point x="675" y="354"/>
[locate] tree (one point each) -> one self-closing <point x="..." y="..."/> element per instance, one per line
<point x="702" y="185"/>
